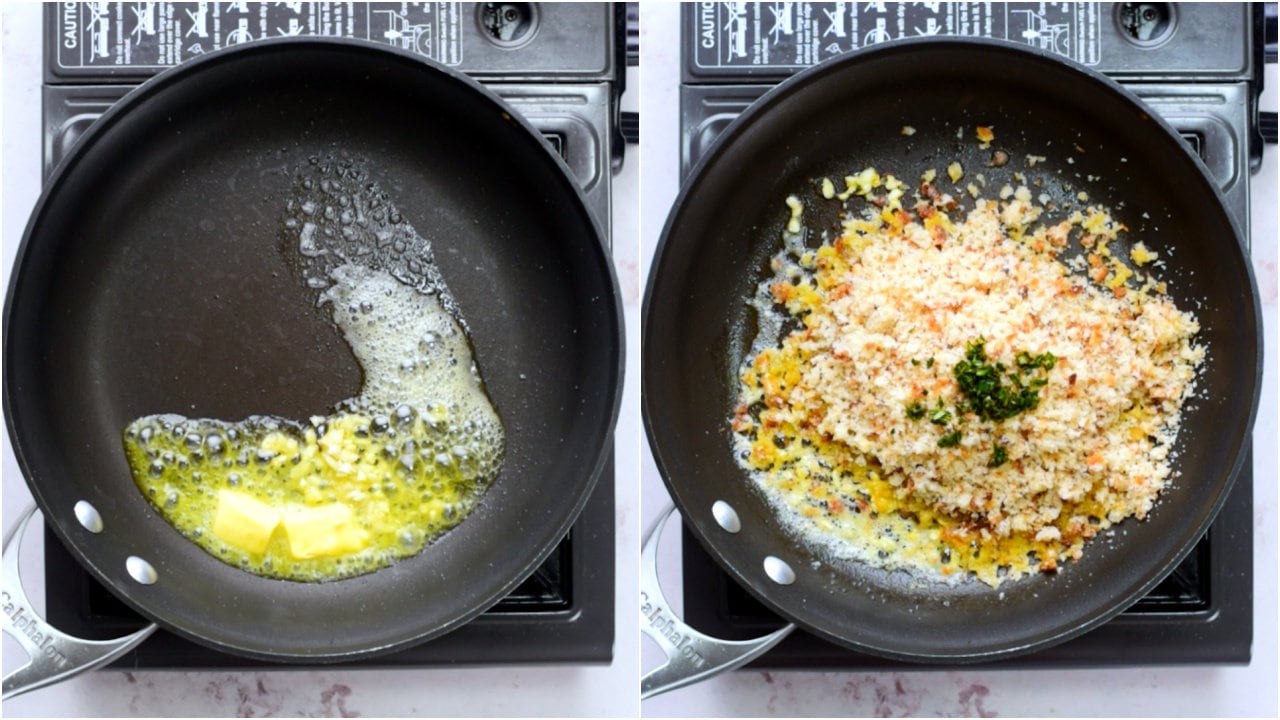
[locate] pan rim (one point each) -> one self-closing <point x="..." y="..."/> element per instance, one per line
<point x="592" y="463"/>
<point x="779" y="94"/>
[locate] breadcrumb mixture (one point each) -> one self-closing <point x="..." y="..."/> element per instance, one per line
<point x="868" y="423"/>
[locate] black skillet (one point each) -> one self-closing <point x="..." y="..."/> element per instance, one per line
<point x="150" y="280"/>
<point x="848" y="114"/>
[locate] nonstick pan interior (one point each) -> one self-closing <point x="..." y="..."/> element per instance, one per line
<point x="849" y="114"/>
<point x="151" y="281"/>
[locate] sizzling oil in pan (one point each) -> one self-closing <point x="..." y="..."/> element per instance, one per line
<point x="385" y="472"/>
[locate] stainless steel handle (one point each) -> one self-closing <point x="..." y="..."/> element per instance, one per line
<point x="691" y="655"/>
<point x="55" y="656"/>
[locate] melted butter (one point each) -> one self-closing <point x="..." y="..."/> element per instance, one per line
<point x="838" y="500"/>
<point x="386" y="472"/>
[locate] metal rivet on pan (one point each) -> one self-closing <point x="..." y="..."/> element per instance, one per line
<point x="141" y="570"/>
<point x="88" y="517"/>
<point x="779" y="571"/>
<point x="726" y="516"/>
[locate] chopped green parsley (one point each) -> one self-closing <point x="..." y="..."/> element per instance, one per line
<point x="999" y="456"/>
<point x="990" y="391"/>
<point x="915" y="411"/>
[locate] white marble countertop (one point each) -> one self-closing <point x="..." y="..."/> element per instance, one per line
<point x="1151" y="691"/>
<point x="553" y="690"/>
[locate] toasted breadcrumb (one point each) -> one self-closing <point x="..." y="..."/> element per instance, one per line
<point x="887" y="310"/>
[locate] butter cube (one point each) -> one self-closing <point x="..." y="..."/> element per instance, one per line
<point x="280" y="444"/>
<point x="244" y="522"/>
<point x="324" y="531"/>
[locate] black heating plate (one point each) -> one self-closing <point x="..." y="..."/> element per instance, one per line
<point x="555" y="64"/>
<point x="1200" y="81"/>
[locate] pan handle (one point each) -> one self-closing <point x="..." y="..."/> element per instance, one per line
<point x="55" y="656"/>
<point x="691" y="655"/>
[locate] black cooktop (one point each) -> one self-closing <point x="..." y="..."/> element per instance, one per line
<point x="1198" y="65"/>
<point x="556" y="63"/>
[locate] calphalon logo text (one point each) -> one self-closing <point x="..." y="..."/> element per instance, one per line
<point x="653" y="613"/>
<point x="29" y="627"/>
